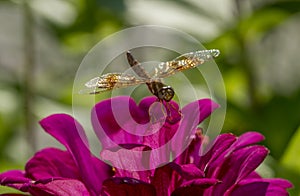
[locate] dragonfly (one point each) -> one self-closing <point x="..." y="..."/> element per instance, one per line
<point x="153" y="79"/>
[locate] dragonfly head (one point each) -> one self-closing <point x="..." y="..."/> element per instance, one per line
<point x="166" y="93"/>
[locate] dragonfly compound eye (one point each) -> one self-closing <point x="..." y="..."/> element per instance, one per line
<point x="166" y="93"/>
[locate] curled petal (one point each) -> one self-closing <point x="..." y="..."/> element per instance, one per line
<point x="247" y="139"/>
<point x="14" y="178"/>
<point x="188" y="171"/>
<point x="201" y="182"/>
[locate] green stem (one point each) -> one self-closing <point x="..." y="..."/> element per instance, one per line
<point x="28" y="77"/>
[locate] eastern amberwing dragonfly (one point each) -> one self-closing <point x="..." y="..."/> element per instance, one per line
<point x="153" y="80"/>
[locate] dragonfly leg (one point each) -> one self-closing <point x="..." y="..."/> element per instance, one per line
<point x="157" y="112"/>
<point x="173" y="117"/>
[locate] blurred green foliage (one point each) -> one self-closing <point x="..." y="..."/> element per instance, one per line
<point x="256" y="39"/>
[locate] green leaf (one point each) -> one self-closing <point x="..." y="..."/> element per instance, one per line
<point x="291" y="158"/>
<point x="7" y="190"/>
<point x="268" y="17"/>
<point x="261" y="22"/>
<point x="287" y="6"/>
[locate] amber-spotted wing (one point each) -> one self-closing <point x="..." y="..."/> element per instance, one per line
<point x="110" y="81"/>
<point x="186" y="61"/>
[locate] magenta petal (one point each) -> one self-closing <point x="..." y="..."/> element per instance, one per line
<point x="109" y="115"/>
<point x="172" y="108"/>
<point x="129" y="161"/>
<point x="278" y="182"/>
<point x="254" y="175"/>
<point x="188" y="191"/>
<point x="59" y="188"/>
<point x="192" y="114"/>
<point x="255" y="188"/>
<point x="119" y="120"/>
<point x="164" y="180"/>
<point x="14" y="178"/>
<point x="254" y="159"/>
<point x="237" y="166"/>
<point x="201" y="182"/>
<point x="269" y="187"/>
<point x="276" y="186"/>
<point x="127" y="186"/>
<point x="191" y="154"/>
<point x="52" y="162"/>
<point x="173" y="139"/>
<point x="221" y="145"/>
<point x="188" y="171"/>
<point x="279" y="190"/>
<point x="218" y="158"/>
<point x="204" y="108"/>
<point x="71" y="134"/>
<point x="195" y="187"/>
<point x="247" y="139"/>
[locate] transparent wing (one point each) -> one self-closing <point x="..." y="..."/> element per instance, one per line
<point x="184" y="62"/>
<point x="110" y="81"/>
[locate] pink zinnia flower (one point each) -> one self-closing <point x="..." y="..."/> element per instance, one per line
<point x="140" y="149"/>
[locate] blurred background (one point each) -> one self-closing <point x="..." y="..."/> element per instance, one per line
<point x="42" y="43"/>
